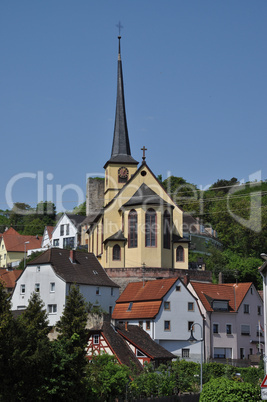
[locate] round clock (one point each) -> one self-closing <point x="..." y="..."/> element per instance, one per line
<point x="123" y="172"/>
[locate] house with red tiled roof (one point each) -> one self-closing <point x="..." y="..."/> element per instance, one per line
<point x="166" y="310"/>
<point x="14" y="247"/>
<point x="233" y="319"/>
<point x="8" y="278"/>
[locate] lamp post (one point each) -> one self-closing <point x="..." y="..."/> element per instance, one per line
<point x="192" y="340"/>
<point x="26" y="242"/>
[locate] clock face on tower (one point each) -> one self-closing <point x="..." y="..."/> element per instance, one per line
<point x="123" y="173"/>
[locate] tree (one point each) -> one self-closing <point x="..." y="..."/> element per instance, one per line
<point x="107" y="379"/>
<point x="80" y="210"/>
<point x="68" y="378"/>
<point x="222" y="389"/>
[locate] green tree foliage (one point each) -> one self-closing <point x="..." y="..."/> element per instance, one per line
<point x="234" y="267"/>
<point x="80" y="210"/>
<point x="29" y="258"/>
<point x="68" y="351"/>
<point x="222" y="389"/>
<point x="106" y="378"/>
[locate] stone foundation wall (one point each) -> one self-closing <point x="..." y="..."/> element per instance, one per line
<point x="122" y="276"/>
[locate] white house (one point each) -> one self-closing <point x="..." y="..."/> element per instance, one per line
<point x="232" y="314"/>
<point x="67" y="232"/>
<point x="166" y="310"/>
<point x="47" y="237"/>
<point x="52" y="273"/>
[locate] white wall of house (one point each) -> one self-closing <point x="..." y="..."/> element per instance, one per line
<point x="230" y="344"/>
<point x="180" y="315"/>
<point x="65" y="233"/>
<point x="52" y="295"/>
<point x="46" y="242"/>
<point x="250" y="320"/>
<point x="53" y="291"/>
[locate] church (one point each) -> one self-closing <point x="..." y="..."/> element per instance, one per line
<point x="138" y="224"/>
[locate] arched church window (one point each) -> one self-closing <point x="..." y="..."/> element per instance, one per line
<point x="116" y="254"/>
<point x="166" y="230"/>
<point x="180" y="254"/>
<point x="150" y="228"/>
<point x="132" y="229"/>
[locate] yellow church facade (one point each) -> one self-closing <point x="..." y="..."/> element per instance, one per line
<point x="139" y="224"/>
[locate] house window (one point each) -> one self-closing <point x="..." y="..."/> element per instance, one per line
<point x="38" y="268"/>
<point x="22" y="289"/>
<point x="190" y="325"/>
<point x="245" y="329"/>
<point x="52" y="308"/>
<point x="37" y="287"/>
<point x="259" y="310"/>
<point x="178" y="288"/>
<point x="228" y="329"/>
<point x="215" y="328"/>
<point x="166" y="230"/>
<point x="222" y="353"/>
<point x="97" y="292"/>
<point x="61" y="230"/>
<point x="251" y="290"/>
<point x="147" y="325"/>
<point x="167" y="305"/>
<point x="185" y="353"/>
<point x="68" y="242"/>
<point x="246" y="308"/>
<point x="112" y="291"/>
<point x="180" y="254"/>
<point x="132" y="223"/>
<point x="150" y="228"/>
<point x="140" y="324"/>
<point x="190" y="306"/>
<point x="96" y="340"/>
<point x="130" y="306"/>
<point x="220" y="305"/>
<point x="52" y="287"/>
<point x="67" y="229"/>
<point x="110" y="309"/>
<point x="167" y="325"/>
<point x="116" y="253"/>
<point x="56" y="242"/>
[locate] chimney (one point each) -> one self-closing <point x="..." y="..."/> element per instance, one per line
<point x="220" y="278"/>
<point x="72" y="256"/>
<point x="186" y="279"/>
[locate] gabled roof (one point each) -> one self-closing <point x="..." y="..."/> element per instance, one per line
<point x="86" y="269"/>
<point x="151" y="290"/>
<point x="145" y="195"/>
<point x="49" y="230"/>
<point x="232" y="292"/>
<point x="8" y="278"/>
<point x="142" y="301"/>
<point x="142" y="341"/>
<point x="76" y="219"/>
<point x="16" y="243"/>
<point x="119" y="347"/>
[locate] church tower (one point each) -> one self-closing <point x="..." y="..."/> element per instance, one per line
<point x="121" y="165"/>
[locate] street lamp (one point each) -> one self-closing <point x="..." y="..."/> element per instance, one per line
<point x="192" y="340"/>
<point x="26" y="242"/>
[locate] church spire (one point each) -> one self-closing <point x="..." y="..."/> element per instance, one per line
<point x="121" y="152"/>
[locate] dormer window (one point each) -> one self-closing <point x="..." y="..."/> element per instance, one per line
<point x="220" y="305"/>
<point x="130" y="306"/>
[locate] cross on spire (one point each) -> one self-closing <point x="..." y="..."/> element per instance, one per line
<point x="144" y="149"/>
<point x="119" y="26"/>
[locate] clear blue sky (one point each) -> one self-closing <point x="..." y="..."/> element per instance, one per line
<point x="195" y="90"/>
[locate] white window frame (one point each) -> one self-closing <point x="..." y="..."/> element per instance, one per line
<point x="52" y="287"/>
<point x="22" y="289"/>
<point x="52" y="308"/>
<point x="231" y="327"/>
<point x="96" y="339"/>
<point x="37" y="287"/>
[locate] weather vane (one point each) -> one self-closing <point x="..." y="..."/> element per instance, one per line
<point x="120" y="27"/>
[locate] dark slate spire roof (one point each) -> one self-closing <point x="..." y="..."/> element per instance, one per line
<point x="121" y="152"/>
